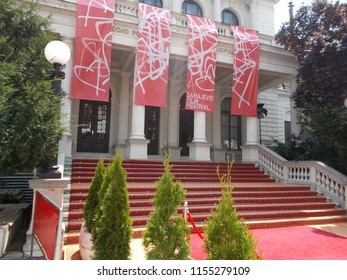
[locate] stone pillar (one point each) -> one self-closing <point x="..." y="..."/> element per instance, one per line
<point x="123" y="111"/>
<point x="249" y="150"/>
<point x="217" y="10"/>
<point x="217" y="153"/>
<point x="199" y="149"/>
<point x="176" y="6"/>
<point x="251" y="130"/>
<point x="65" y="143"/>
<point x="254" y="14"/>
<point x="137" y="143"/>
<point x="173" y="122"/>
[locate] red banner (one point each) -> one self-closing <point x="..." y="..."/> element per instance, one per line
<point x="92" y="53"/>
<point x="203" y="37"/>
<point x="245" y="74"/>
<point x="153" y="51"/>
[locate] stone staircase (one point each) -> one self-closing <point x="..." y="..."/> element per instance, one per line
<point x="259" y="200"/>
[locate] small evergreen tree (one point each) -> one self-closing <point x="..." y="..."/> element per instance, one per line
<point x="112" y="231"/>
<point x="92" y="202"/>
<point x="165" y="237"/>
<point x="226" y="235"/>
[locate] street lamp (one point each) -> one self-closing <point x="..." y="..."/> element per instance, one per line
<point x="58" y="53"/>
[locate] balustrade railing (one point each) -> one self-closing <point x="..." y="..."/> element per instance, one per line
<point x="331" y="183"/>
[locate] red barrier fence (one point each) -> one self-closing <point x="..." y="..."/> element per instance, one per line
<point x="46" y="224"/>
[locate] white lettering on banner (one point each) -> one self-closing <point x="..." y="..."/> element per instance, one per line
<point x="193" y="99"/>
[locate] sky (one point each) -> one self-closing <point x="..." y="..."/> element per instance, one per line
<point x="282" y="10"/>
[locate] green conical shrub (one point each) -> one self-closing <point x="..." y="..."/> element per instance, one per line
<point x="227" y="237"/>
<point x="92" y="201"/>
<point x="167" y="233"/>
<point x="112" y="234"/>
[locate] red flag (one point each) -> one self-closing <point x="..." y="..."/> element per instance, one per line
<point x="92" y="55"/>
<point x="203" y="37"/>
<point x="153" y="51"/>
<point x="245" y="74"/>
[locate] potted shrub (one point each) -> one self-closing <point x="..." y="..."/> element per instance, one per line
<point x="167" y="234"/>
<point x="89" y="212"/>
<point x="226" y="235"/>
<point x="112" y="228"/>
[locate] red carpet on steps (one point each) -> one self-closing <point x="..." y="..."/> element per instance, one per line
<point x="290" y="243"/>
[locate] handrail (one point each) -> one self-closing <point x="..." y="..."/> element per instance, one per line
<point x="331" y="183"/>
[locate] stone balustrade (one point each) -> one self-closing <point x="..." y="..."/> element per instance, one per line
<point x="331" y="183"/>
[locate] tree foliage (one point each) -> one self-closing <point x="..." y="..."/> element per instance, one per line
<point x="29" y="110"/>
<point x="112" y="228"/>
<point x="166" y="234"/>
<point x="227" y="237"/>
<point x="92" y="201"/>
<point x="317" y="37"/>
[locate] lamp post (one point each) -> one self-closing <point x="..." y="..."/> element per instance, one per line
<point x="58" y="53"/>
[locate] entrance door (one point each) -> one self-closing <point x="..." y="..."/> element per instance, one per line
<point x="93" y="128"/>
<point x="152" y="116"/>
<point x="186" y="127"/>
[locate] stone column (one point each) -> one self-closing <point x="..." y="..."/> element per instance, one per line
<point x="251" y="130"/>
<point x="199" y="149"/>
<point x="173" y="122"/>
<point x="176" y="6"/>
<point x="137" y="143"/>
<point x="65" y="143"/>
<point x="253" y="14"/>
<point x="217" y="153"/>
<point x="217" y="10"/>
<point x="123" y="111"/>
<point x="249" y="150"/>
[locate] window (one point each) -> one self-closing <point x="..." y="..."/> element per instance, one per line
<point x="155" y="3"/>
<point x="230" y="127"/>
<point x="229" y="17"/>
<point x="191" y="8"/>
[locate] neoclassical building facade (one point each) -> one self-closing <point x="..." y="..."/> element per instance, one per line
<point x="96" y="128"/>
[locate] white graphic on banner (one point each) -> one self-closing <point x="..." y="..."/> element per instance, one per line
<point x="154" y="45"/>
<point x="246" y="64"/>
<point x="200" y="63"/>
<point x="94" y="58"/>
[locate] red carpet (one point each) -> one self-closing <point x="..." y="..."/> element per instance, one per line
<point x="290" y="243"/>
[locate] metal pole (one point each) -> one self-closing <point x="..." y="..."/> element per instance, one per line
<point x="185" y="209"/>
<point x="259" y="131"/>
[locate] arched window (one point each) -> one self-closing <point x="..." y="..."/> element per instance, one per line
<point x="191" y="8"/>
<point x="155" y="3"/>
<point x="229" y="17"/>
<point x="230" y="127"/>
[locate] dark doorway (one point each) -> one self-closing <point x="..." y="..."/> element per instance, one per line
<point x="186" y="127"/>
<point x="152" y="117"/>
<point x="93" y="127"/>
